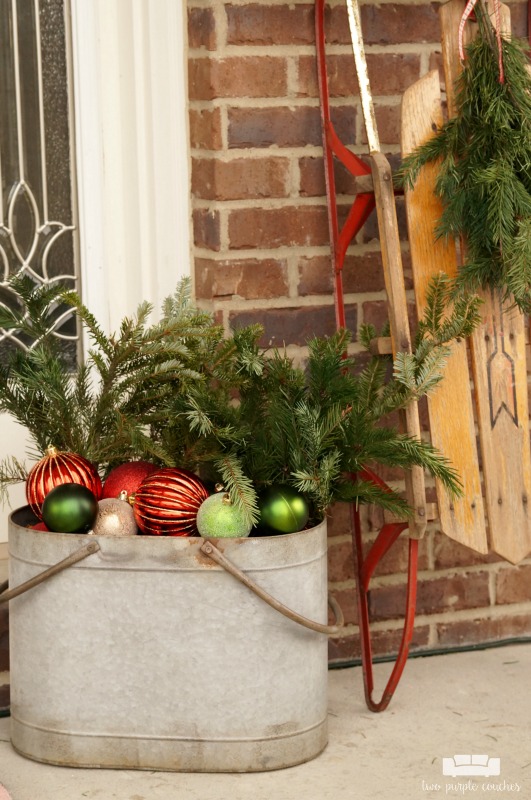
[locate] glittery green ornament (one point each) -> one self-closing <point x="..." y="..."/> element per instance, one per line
<point x="218" y="517"/>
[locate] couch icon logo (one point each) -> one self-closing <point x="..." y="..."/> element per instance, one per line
<point x="471" y="765"/>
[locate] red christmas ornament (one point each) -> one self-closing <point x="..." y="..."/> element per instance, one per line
<point x="167" y="502"/>
<point x="40" y="526"/>
<point x="126" y="478"/>
<point x="56" y="468"/>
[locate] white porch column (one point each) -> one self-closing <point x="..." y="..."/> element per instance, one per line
<point x="129" y="64"/>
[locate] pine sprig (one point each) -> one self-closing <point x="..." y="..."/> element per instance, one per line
<point x="484" y="173"/>
<point x="239" y="487"/>
<point x="312" y="428"/>
<point x="12" y="472"/>
<point x="104" y="408"/>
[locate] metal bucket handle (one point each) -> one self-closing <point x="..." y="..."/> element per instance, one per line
<point x="208" y="549"/>
<point x="73" y="558"/>
<point x="216" y="555"/>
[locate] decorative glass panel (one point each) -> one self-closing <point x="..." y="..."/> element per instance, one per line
<point x="37" y="223"/>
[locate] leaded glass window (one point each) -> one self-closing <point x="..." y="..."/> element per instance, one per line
<point x="37" y="200"/>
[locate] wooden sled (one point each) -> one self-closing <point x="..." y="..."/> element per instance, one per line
<point x="494" y="510"/>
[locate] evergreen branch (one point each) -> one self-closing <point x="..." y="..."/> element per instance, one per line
<point x="367" y="492"/>
<point x="484" y="166"/>
<point x="239" y="487"/>
<point x="12" y="472"/>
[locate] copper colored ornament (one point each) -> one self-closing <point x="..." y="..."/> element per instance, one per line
<point x="167" y="502"/>
<point x="55" y="469"/>
<point x="115" y="518"/>
<point x="126" y="478"/>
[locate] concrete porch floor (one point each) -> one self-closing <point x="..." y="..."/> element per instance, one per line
<point x="463" y="703"/>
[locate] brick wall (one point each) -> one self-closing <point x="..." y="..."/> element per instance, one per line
<point x="261" y="252"/>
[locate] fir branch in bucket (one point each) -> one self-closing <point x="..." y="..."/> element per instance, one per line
<point x="181" y="393"/>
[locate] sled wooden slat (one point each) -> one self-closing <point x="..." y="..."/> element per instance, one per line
<point x="450" y="405"/>
<point x="399" y="324"/>
<point x="500" y="378"/>
<point x="500" y="381"/>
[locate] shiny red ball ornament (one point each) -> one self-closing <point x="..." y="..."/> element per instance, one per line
<point x="56" y="468"/>
<point x="167" y="502"/>
<point x="126" y="478"/>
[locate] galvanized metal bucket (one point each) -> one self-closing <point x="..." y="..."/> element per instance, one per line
<point x="148" y="654"/>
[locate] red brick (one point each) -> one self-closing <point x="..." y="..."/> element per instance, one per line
<point x="347" y="648"/>
<point x="339" y="520"/>
<point x="287" y="127"/>
<point x="291" y="226"/>
<point x="370" y="231"/>
<point x="315" y="275"/>
<point x="465" y="590"/>
<point x="205" y="129"/>
<point x="242" y="76"/>
<point x="291" y="325"/>
<point x="201" y="28"/>
<point x="312" y="178"/>
<point x="263" y="127"/>
<point x="259" y="24"/>
<point x="251" y="278"/>
<point x="206" y="229"/>
<point x="387" y="23"/>
<point x="477" y="631"/>
<point x="373" y="518"/>
<point x="396" y="560"/>
<point x="375" y="312"/>
<point x="442" y="594"/>
<point x="387" y="123"/>
<point x="448" y="553"/>
<point x="340" y="562"/>
<point x="513" y="585"/>
<point x="362" y="272"/>
<point x="240" y="179"/>
<point x="348" y="602"/>
<point x="389" y="74"/>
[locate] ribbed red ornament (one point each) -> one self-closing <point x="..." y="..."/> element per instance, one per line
<point x="167" y="502"/>
<point x="56" y="468"/>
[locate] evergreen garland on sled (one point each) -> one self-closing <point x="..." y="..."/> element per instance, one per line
<point x="484" y="178"/>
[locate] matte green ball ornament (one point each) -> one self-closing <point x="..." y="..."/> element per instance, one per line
<point x="283" y="509"/>
<point x="69" y="508"/>
<point x="218" y="517"/>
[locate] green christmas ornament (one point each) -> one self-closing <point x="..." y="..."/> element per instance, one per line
<point x="219" y="517"/>
<point x="69" y="508"/>
<point x="283" y="509"/>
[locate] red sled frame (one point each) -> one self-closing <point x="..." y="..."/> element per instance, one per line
<point x="340" y="238"/>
